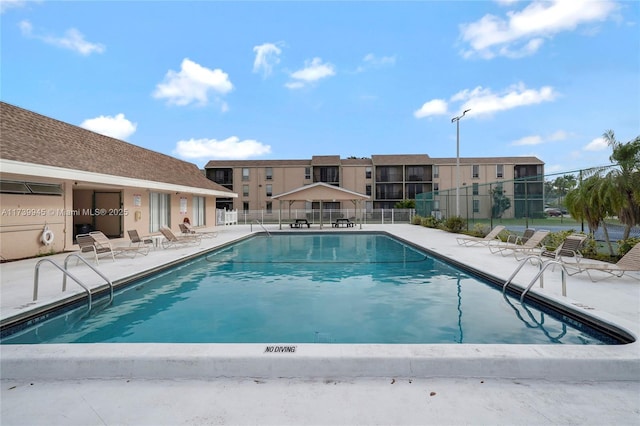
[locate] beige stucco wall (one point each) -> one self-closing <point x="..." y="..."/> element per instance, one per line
<point x="23" y="220"/>
<point x="24" y="216"/>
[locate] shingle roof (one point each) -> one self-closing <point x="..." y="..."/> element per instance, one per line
<point x="325" y="160"/>
<point x="28" y="137"/>
<point x="255" y="163"/>
<point x="489" y="160"/>
<point x="396" y="160"/>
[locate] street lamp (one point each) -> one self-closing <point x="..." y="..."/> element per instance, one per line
<point x="457" y="121"/>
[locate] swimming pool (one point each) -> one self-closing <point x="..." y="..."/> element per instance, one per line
<point x="313" y="288"/>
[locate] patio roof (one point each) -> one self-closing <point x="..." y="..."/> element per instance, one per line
<point x="320" y="191"/>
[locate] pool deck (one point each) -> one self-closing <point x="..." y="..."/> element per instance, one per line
<point x="158" y="384"/>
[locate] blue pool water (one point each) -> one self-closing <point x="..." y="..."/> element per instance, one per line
<point x="322" y="288"/>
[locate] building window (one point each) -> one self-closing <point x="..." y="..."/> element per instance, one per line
<point x="476" y="206"/>
<point x="475" y="173"/>
<point x="268" y="173"/>
<point x="11" y="187"/>
<point x="368" y="190"/>
<point x="221" y="176"/>
<point x="245" y="206"/>
<point x="307" y="173"/>
<point x="269" y="190"/>
<point x="245" y="190"/>
<point x="198" y="218"/>
<point x="416" y="173"/>
<point x="389" y="174"/>
<point x="499" y="170"/>
<point x="367" y="172"/>
<point x="245" y="174"/>
<point x="327" y="174"/>
<point x="474" y="189"/>
<point x="436" y="172"/>
<point x="389" y="191"/>
<point x="269" y="207"/>
<point x="414" y="189"/>
<point x="159" y="210"/>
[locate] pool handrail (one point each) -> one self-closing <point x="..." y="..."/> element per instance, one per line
<point x="262" y="226"/>
<point x="104" y="277"/>
<point x="65" y="273"/>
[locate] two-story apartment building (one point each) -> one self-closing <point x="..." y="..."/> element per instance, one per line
<point x="387" y="179"/>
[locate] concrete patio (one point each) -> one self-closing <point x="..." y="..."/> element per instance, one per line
<point x="322" y="384"/>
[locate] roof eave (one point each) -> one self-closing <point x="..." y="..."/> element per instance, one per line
<point x="39" y="170"/>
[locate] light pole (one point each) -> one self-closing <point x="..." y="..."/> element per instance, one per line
<point x="457" y="121"/>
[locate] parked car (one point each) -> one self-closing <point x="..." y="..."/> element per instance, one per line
<point x="553" y="212"/>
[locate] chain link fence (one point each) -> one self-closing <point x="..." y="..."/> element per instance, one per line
<point x="529" y="202"/>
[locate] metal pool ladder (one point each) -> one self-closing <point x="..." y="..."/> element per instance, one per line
<point x="543" y="266"/>
<point x="66" y="273"/>
<point x="262" y="226"/>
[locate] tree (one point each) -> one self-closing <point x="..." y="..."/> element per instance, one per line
<point x="622" y="187"/>
<point x="500" y="202"/>
<point x="405" y="204"/>
<point x="564" y="184"/>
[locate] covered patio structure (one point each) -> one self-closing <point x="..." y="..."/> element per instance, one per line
<point x="321" y="192"/>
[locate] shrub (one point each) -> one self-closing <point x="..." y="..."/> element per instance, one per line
<point x="625" y="245"/>
<point x="480" y="230"/>
<point x="416" y="220"/>
<point x="431" y="222"/>
<point x="454" y="224"/>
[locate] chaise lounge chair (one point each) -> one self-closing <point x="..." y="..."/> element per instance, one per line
<point x="530" y="246"/>
<point x="570" y="248"/>
<point x="172" y="240"/>
<point x="143" y="244"/>
<point x="88" y="244"/>
<point x="630" y="262"/>
<point x="186" y="229"/>
<point x="491" y="236"/>
<point x="102" y="241"/>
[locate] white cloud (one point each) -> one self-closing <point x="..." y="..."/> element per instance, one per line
<point x="598" y="144"/>
<point x="483" y="101"/>
<point x="537" y="139"/>
<point x="379" y="61"/>
<point x="72" y="40"/>
<point x="430" y="108"/>
<point x="313" y="71"/>
<point x="230" y="148"/>
<point x="522" y="33"/>
<point x="192" y="84"/>
<point x="266" y="57"/>
<point x="372" y="61"/>
<point x="116" y="127"/>
<point x="528" y="140"/>
<point x="11" y="4"/>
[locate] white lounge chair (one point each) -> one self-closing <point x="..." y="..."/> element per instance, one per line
<point x="491" y="236"/>
<point x="187" y="229"/>
<point x="173" y="240"/>
<point x="569" y="249"/>
<point x="630" y="262"/>
<point x="88" y="244"/>
<point x="530" y="246"/>
<point x="103" y="241"/>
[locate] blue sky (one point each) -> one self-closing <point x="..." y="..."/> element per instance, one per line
<point x="209" y="80"/>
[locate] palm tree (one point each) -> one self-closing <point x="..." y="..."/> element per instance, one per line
<point x="622" y="190"/>
<point x="586" y="203"/>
